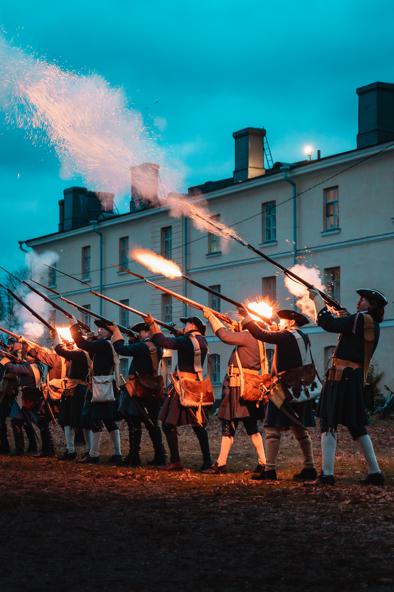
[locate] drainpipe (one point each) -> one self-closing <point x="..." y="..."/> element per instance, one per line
<point x="22" y="248"/>
<point x="185" y="258"/>
<point x="286" y="169"/>
<point x="101" y="263"/>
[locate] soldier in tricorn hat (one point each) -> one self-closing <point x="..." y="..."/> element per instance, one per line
<point x="342" y="400"/>
<point x="141" y="397"/>
<point x="291" y="347"/>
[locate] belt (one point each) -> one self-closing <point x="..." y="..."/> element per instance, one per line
<point x="236" y="372"/>
<point x="337" y="367"/>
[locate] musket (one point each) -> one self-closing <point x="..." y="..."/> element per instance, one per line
<point x="170" y="328"/>
<point x="214" y="293"/>
<point x="31" y="310"/>
<point x="290" y="274"/>
<point x="223" y="317"/>
<point x="10" y="333"/>
<point x="45" y="298"/>
<point x="82" y="308"/>
<point x="7" y="354"/>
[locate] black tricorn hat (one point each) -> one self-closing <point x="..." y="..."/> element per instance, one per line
<point x="373" y="295"/>
<point x="140" y="327"/>
<point x="196" y="321"/>
<point x="292" y="315"/>
<point x="102" y="323"/>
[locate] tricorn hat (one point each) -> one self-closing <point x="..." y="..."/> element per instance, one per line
<point x="140" y="327"/>
<point x="196" y="321"/>
<point x="373" y="295"/>
<point x="292" y="315"/>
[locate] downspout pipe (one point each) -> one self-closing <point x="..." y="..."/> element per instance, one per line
<point x="185" y="259"/>
<point x="101" y="263"/>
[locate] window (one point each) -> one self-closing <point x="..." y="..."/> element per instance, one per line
<point x="166" y="242"/>
<point x="269" y="287"/>
<point x="269" y="221"/>
<point x="214" y="301"/>
<point x="328" y="353"/>
<point x="124" y="314"/>
<point x="86" y="315"/>
<point x="52" y="276"/>
<point x="214" y="245"/>
<point x="85" y="262"/>
<point x="166" y="308"/>
<point x="124" y="366"/>
<point x="332" y="281"/>
<point x="124" y="252"/>
<point x="331" y="209"/>
<point x="214" y="361"/>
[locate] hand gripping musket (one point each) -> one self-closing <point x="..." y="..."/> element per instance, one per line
<point x="31" y="310"/>
<point x="290" y="274"/>
<point x="223" y="317"/>
<point x="82" y="309"/>
<point x="214" y="293"/>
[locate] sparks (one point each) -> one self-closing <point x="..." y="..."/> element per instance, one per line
<point x="65" y="334"/>
<point x="261" y="307"/>
<point x="156" y="263"/>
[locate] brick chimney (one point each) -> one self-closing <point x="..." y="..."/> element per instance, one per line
<point x="249" y="153"/>
<point x="375" y="114"/>
<point x="144" y="186"/>
<point x="79" y="206"/>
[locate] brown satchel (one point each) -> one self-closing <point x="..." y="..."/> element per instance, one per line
<point x="146" y="386"/>
<point x="252" y="384"/>
<point x="193" y="392"/>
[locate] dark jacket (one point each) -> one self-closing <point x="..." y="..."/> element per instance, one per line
<point x="99" y="350"/>
<point x="184" y="347"/>
<point x="142" y="360"/>
<point x="77" y="363"/>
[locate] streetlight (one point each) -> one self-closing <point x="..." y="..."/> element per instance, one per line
<point x="308" y="151"/>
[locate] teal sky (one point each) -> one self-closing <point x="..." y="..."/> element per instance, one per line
<point x="197" y="71"/>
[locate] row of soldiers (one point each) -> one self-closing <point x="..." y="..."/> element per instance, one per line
<point x="84" y="383"/>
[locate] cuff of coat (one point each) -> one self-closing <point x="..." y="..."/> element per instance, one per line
<point x="215" y="323"/>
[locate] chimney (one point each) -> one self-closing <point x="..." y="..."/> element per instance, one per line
<point x="144" y="186"/>
<point x="249" y="153"/>
<point x="80" y="206"/>
<point x="375" y="114"/>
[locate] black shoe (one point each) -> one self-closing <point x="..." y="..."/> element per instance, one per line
<point x="259" y="469"/>
<point x="207" y="463"/>
<point x="306" y="475"/>
<point x="215" y="470"/>
<point x="265" y="475"/>
<point x="89" y="460"/>
<point x="325" y="479"/>
<point x="373" y="479"/>
<point x="132" y="460"/>
<point x="158" y="461"/>
<point x="116" y="459"/>
<point x="67" y="456"/>
<point x="45" y="454"/>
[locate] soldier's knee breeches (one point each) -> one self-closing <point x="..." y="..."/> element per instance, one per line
<point x="229" y="428"/>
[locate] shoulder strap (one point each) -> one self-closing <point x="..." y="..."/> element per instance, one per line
<point x="115" y="357"/>
<point x="197" y="356"/>
<point x="153" y="356"/>
<point x="263" y="357"/>
<point x="369" y="340"/>
<point x="303" y="346"/>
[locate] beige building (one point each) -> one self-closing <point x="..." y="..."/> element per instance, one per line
<point x="335" y="213"/>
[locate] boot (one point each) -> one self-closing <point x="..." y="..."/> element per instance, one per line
<point x="4" y="444"/>
<point x="32" y="438"/>
<point x="47" y="448"/>
<point x="373" y="479"/>
<point x="216" y="470"/>
<point x="307" y="474"/>
<point x="160" y="457"/>
<point x="135" y="434"/>
<point x="202" y="437"/>
<point x="19" y="440"/>
<point x="265" y="475"/>
<point x="132" y="460"/>
<point x="325" y="479"/>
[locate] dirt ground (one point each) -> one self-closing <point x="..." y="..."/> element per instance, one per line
<point x="67" y="527"/>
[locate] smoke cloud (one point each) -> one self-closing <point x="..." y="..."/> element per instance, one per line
<point x="87" y="122"/>
<point x="311" y="275"/>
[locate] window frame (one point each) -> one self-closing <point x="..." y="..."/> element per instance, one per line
<point x="330" y="202"/>
<point x="268" y="221"/>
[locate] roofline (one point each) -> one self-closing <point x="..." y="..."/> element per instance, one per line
<point x="305" y="168"/>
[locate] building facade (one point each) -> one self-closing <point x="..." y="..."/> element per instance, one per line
<point x="335" y="213"/>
